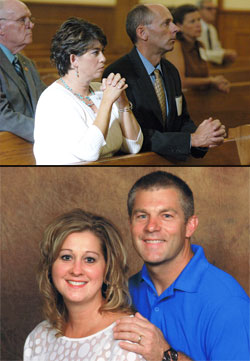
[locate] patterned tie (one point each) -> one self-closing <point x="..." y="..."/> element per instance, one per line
<point x="160" y="93"/>
<point x="18" y="67"/>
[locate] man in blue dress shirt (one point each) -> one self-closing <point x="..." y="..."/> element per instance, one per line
<point x="196" y="311"/>
<point x="175" y="136"/>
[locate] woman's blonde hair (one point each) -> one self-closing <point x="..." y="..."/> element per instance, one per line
<point x="115" y="287"/>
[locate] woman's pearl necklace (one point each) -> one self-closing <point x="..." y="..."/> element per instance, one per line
<point x="79" y="95"/>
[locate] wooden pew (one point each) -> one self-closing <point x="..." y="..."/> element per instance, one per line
<point x="236" y="72"/>
<point x="233" y="74"/>
<point x="241" y="135"/>
<point x="241" y="61"/>
<point x="232" y="109"/>
<point x="226" y="154"/>
<point x="15" y="150"/>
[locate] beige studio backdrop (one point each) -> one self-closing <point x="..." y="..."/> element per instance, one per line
<point x="32" y="197"/>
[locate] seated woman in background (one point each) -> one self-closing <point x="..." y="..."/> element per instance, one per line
<point x="77" y="120"/>
<point x="82" y="279"/>
<point x="189" y="55"/>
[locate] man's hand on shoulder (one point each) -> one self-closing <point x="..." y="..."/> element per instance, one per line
<point x="145" y="338"/>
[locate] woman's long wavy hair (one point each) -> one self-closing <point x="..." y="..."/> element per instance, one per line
<point x="115" y="287"/>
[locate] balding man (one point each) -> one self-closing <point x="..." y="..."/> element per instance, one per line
<point x="20" y="83"/>
<point x="209" y="36"/>
<point x="162" y="114"/>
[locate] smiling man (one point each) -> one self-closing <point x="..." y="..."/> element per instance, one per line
<point x="154" y="88"/>
<point x="196" y="311"/>
<point x="20" y="83"/>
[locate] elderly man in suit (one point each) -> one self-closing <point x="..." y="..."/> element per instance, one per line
<point x="158" y="102"/>
<point x="20" y="83"/>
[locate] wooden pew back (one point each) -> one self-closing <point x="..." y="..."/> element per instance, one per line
<point x="232" y="109"/>
<point x="242" y="136"/>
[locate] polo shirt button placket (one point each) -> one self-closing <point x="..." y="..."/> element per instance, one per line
<point x="157" y="309"/>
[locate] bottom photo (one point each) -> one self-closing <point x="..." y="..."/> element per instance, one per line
<point x="125" y="263"/>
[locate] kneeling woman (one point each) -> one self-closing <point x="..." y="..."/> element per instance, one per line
<point x="82" y="278"/>
<point x="77" y="120"/>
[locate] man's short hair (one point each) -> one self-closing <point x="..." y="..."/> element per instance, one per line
<point x="138" y="15"/>
<point x="161" y="180"/>
<point x="75" y="36"/>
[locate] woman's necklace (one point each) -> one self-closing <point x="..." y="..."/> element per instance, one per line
<point x="79" y="95"/>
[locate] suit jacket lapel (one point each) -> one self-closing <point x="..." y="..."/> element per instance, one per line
<point x="29" y="81"/>
<point x="170" y="89"/>
<point x="9" y="69"/>
<point x="145" y="84"/>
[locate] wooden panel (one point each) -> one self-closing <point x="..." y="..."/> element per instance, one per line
<point x="234" y="31"/>
<point x="233" y="26"/>
<point x="111" y="19"/>
<point x="50" y="16"/>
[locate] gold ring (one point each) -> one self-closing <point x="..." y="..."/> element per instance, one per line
<point x="139" y="339"/>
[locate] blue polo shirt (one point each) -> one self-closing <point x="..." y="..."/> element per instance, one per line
<point x="205" y="313"/>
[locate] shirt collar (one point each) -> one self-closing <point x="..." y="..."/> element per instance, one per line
<point x="8" y="53"/>
<point x="149" y="67"/>
<point x="190" y="277"/>
<point x="204" y="24"/>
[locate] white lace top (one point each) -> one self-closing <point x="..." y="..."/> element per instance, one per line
<point x="42" y="345"/>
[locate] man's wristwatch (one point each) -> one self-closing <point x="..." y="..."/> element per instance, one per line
<point x="170" y="355"/>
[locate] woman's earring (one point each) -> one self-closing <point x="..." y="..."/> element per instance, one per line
<point x="77" y="72"/>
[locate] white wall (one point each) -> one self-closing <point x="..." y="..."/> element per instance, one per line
<point x="237" y="4"/>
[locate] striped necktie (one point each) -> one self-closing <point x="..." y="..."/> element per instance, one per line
<point x="18" y="67"/>
<point x="160" y="93"/>
<point x="209" y="39"/>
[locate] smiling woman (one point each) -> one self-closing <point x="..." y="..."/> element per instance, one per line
<point x="82" y="278"/>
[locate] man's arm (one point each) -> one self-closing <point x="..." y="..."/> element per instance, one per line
<point x="145" y="338"/>
<point x="15" y="122"/>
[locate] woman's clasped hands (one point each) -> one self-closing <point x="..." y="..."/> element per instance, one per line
<point x="113" y="87"/>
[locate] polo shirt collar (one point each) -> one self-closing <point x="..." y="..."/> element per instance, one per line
<point x="189" y="279"/>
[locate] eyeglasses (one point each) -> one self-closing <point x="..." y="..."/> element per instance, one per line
<point x="24" y="21"/>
